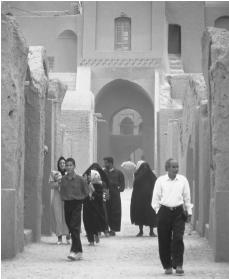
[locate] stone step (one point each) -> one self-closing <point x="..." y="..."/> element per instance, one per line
<point x="28" y="237"/>
<point x="175" y="62"/>
<point x="177" y="71"/>
<point x="175" y="59"/>
<point x="175" y="66"/>
<point x="174" y="56"/>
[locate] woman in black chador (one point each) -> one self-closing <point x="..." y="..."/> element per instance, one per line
<point x="105" y="184"/>
<point x="94" y="217"/>
<point x="141" y="211"/>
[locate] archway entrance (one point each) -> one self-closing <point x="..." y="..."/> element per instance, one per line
<point x="174" y="39"/>
<point x="222" y="22"/>
<point x="129" y="116"/>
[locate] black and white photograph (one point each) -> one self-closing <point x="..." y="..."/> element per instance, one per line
<point x="114" y="139"/>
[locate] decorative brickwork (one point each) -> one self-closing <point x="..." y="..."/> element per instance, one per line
<point x="130" y="62"/>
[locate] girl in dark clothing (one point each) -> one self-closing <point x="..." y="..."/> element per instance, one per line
<point x="105" y="185"/>
<point x="141" y="211"/>
<point x="93" y="212"/>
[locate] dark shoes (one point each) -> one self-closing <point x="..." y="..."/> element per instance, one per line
<point x="152" y="234"/>
<point x="106" y="233"/>
<point x="168" y="271"/>
<point x="139" y="234"/>
<point x="179" y="271"/>
<point x="75" y="256"/>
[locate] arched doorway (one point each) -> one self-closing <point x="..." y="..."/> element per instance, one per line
<point x="126" y="122"/>
<point x="127" y="126"/>
<point x="174" y="39"/>
<point x="125" y="106"/>
<point x="222" y="22"/>
<point x="66" y="60"/>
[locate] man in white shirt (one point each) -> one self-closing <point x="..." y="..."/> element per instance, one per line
<point x="171" y="202"/>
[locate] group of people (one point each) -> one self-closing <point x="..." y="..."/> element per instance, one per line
<point x="97" y="192"/>
<point x="162" y="202"/>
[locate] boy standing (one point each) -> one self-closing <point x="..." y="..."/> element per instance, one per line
<point x="73" y="190"/>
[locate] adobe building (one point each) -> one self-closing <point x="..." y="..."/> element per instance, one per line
<point x="136" y="88"/>
<point x="105" y="44"/>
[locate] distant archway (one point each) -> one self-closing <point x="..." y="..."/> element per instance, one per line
<point x="126" y="122"/>
<point x="118" y="96"/>
<point x="222" y="22"/>
<point x="66" y="58"/>
<point x="127" y="126"/>
<point x="174" y="39"/>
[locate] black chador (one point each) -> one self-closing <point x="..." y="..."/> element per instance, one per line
<point x="141" y="211"/>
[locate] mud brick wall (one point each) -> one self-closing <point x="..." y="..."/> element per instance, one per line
<point x="215" y="46"/>
<point x="35" y="99"/>
<point x="13" y="68"/>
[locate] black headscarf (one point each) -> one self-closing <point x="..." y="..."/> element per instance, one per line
<point x="143" y="171"/>
<point x="96" y="166"/>
<point x="58" y="167"/>
<point x="141" y="211"/>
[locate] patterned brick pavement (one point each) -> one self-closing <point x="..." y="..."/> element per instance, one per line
<point x="123" y="256"/>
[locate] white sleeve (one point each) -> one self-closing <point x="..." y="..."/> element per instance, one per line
<point x="186" y="195"/>
<point x="156" y="195"/>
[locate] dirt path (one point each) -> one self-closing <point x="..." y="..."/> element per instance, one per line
<point x="123" y="256"/>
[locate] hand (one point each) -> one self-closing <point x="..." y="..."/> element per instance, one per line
<point x="189" y="218"/>
<point x="56" y="175"/>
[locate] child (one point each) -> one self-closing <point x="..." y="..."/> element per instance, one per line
<point x="73" y="190"/>
<point x="93" y="212"/>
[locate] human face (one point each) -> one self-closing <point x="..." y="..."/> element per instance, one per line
<point x="62" y="164"/>
<point x="173" y="169"/>
<point x="70" y="167"/>
<point x="107" y="165"/>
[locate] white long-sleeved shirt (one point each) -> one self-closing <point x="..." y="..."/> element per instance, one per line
<point x="172" y="193"/>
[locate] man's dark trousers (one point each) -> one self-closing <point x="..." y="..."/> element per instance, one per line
<point x="171" y="226"/>
<point x="72" y="210"/>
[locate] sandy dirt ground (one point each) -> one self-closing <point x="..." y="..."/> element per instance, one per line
<point x="122" y="256"/>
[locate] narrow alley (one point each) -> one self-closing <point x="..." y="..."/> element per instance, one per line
<point x="123" y="256"/>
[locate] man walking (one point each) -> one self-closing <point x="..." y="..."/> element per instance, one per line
<point x="116" y="185"/>
<point x="171" y="201"/>
<point x="73" y="190"/>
